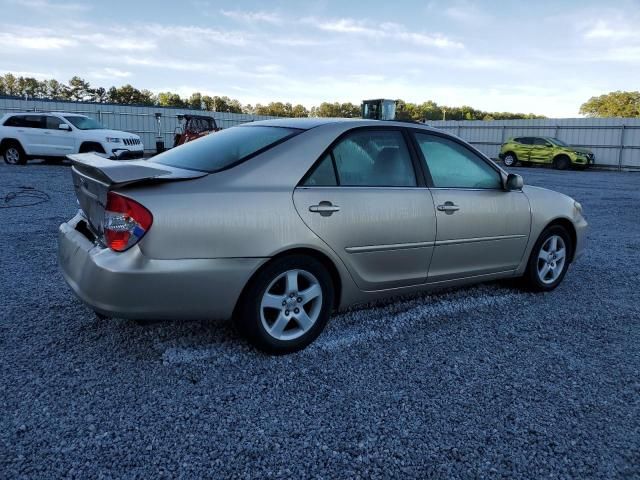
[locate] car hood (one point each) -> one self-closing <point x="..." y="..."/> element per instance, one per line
<point x="105" y="132"/>
<point x="579" y="149"/>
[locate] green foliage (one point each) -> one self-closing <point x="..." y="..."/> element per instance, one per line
<point x="613" y="104"/>
<point x="279" y="109"/>
<point x="78" y="89"/>
<point x="336" y="110"/>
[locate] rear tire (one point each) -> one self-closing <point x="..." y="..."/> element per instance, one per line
<point x="510" y="159"/>
<point x="561" y="163"/>
<point x="286" y="305"/>
<point x="13" y="154"/>
<point x="549" y="260"/>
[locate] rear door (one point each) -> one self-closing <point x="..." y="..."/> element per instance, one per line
<point x="364" y="199"/>
<point x="523" y="148"/>
<point x="58" y="142"/>
<point x="27" y="129"/>
<point x="481" y="228"/>
<point x="541" y="151"/>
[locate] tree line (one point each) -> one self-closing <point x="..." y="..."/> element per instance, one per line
<point x="78" y="89"/>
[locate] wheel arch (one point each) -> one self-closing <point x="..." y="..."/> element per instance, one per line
<point x="84" y="146"/>
<point x="571" y="230"/>
<point x="560" y="155"/>
<point x="323" y="258"/>
<point x="8" y="141"/>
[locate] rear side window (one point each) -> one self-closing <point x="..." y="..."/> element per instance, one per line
<point x="25" y="121"/>
<point x="526" y="140"/>
<point x="367" y="158"/>
<point x="15" y="121"/>
<point x="225" y="148"/>
<point x="541" y="141"/>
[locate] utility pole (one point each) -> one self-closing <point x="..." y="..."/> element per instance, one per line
<point x="444" y="114"/>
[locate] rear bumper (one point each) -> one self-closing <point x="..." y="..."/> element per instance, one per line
<point x="130" y="285"/>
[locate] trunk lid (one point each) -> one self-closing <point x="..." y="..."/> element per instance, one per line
<point x="93" y="177"/>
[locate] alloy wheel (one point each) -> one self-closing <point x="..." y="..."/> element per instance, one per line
<point x="291" y="304"/>
<point x="551" y="259"/>
<point x="509" y="160"/>
<point x="12" y="155"/>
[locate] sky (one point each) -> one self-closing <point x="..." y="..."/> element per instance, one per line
<point x="543" y="57"/>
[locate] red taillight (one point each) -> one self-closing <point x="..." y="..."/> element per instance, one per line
<point x="125" y="222"/>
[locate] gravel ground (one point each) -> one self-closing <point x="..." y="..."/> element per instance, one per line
<point x="484" y="382"/>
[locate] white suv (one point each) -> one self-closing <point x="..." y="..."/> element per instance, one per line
<point x="55" y="135"/>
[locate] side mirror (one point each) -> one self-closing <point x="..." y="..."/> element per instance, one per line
<point x="514" y="182"/>
<point x="64" y="126"/>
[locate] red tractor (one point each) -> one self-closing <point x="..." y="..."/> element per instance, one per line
<point x="193" y="127"/>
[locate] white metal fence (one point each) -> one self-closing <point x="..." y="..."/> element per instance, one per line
<point x="140" y="120"/>
<point x="614" y="141"/>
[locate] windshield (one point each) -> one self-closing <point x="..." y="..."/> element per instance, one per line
<point x="225" y="148"/>
<point x="84" y="123"/>
<point x="559" y="142"/>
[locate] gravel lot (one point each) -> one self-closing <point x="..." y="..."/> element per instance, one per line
<point x="484" y="382"/>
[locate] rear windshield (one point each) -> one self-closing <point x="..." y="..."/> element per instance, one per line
<point x="225" y="148"/>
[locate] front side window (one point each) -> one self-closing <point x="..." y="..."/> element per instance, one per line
<point x="225" y="148"/>
<point x="53" y="123"/>
<point x="451" y="165"/>
<point x="367" y="158"/>
<point x="84" y="123"/>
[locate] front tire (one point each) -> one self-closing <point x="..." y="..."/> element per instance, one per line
<point x="561" y="163"/>
<point x="549" y="259"/>
<point x="510" y="159"/>
<point x="14" y="155"/>
<point x="286" y="305"/>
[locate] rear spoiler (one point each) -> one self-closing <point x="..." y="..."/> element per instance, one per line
<point x="118" y="172"/>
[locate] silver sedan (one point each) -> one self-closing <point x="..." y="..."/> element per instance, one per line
<point x="275" y="224"/>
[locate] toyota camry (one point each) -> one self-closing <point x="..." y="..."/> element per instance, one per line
<point x="276" y="224"/>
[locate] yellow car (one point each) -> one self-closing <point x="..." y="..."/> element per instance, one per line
<point x="545" y="150"/>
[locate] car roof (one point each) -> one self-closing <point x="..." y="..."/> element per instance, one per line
<point x="66" y="114"/>
<point x="309" y="123"/>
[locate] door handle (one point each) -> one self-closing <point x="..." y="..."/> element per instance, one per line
<point x="324" y="208"/>
<point x="448" y="207"/>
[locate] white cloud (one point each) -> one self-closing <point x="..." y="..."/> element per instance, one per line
<point x="604" y="30"/>
<point x="384" y="30"/>
<point x="116" y="40"/>
<point x="466" y="12"/>
<point x="35" y="42"/>
<point x="109" y="73"/>
<point x="253" y="17"/>
<point x="46" y="5"/>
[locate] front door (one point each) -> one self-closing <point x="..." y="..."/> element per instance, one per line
<point x="481" y="228"/>
<point x="59" y="142"/>
<point x="364" y="201"/>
